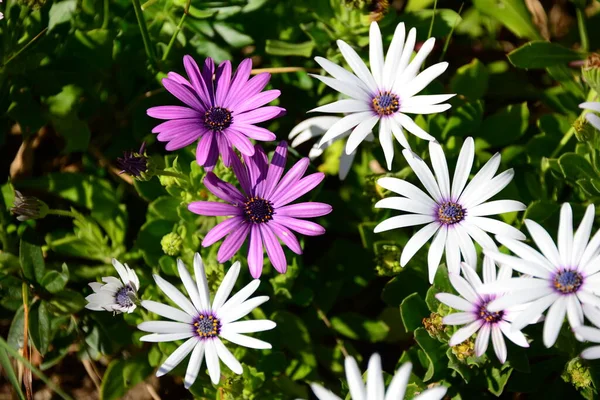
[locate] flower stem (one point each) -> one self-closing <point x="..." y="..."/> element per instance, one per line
<point x="177" y="30"/>
<point x="327" y="323"/>
<point x="144" y="31"/>
<point x="24" y="47"/>
<point x="283" y="70"/>
<point x="447" y="42"/>
<point x="106" y="15"/>
<point x="432" y="19"/>
<point x="585" y="42"/>
<point x="63" y="213"/>
<point x="565" y="139"/>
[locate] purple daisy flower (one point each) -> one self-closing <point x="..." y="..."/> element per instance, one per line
<point x="262" y="210"/>
<point x="219" y="115"/>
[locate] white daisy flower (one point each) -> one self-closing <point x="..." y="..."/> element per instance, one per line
<point x="375" y="389"/>
<point x="561" y="279"/>
<point x="386" y="92"/>
<point x="317" y="126"/>
<point x="115" y="295"/>
<point x="203" y="324"/>
<point x="455" y="214"/>
<point x="475" y="313"/>
<point x="591" y="334"/>
<point x="592" y="118"/>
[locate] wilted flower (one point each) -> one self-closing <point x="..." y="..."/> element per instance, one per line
<point x="591" y="71"/>
<point x="115" y="295"/>
<point x="203" y="324"/>
<point x="28" y="207"/>
<point x="219" y="114"/>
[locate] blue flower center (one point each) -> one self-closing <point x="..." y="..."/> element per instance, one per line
<point x="386" y="103"/>
<point x="567" y="281"/>
<point x="258" y="210"/>
<point x="207" y="326"/>
<point x="450" y="213"/>
<point x="123" y="298"/>
<point x="217" y="118"/>
<point x="489" y="316"/>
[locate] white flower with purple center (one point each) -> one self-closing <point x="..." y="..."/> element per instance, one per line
<point x="375" y="388"/>
<point x="203" y="324"/>
<point x="590" y="334"/>
<point x="457" y="213"/>
<point x="592" y="118"/>
<point x="559" y="278"/>
<point x="115" y="295"/>
<point x="385" y="93"/>
<point x="475" y="312"/>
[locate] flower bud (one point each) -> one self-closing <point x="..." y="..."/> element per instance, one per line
<point x="578" y="374"/>
<point x="171" y="244"/>
<point x="434" y="326"/>
<point x="464" y="350"/>
<point x="136" y="164"/>
<point x="591" y="72"/>
<point x="28" y="207"/>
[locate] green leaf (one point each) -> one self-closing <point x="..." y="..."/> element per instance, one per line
<point x="67" y="302"/>
<point x="232" y="36"/>
<point x="61" y="12"/>
<point x="511" y="13"/>
<point x="136" y="370"/>
<point x="506" y="126"/>
<point x="464" y="120"/>
<point x="148" y="239"/>
<point x="164" y="207"/>
<point x="356" y="326"/>
<point x="541" y="210"/>
<point x="443" y="22"/>
<point x="113" y="382"/>
<point x="542" y="54"/>
<point x="574" y="167"/>
<point x="32" y="261"/>
<point x="16" y="330"/>
<point x="10" y="372"/>
<point x="434" y="351"/>
<point x="75" y="131"/>
<point x="413" y="309"/>
<point x="39" y="326"/>
<point x="497" y="378"/>
<point x="54" y="281"/>
<point x="471" y="80"/>
<point x="279" y="48"/>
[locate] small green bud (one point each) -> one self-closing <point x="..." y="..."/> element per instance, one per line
<point x="577" y="374"/>
<point x="591" y="72"/>
<point x="388" y="259"/>
<point x="28" y="207"/>
<point x="464" y="350"/>
<point x="171" y="244"/>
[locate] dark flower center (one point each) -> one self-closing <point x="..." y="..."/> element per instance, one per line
<point x="207" y="326"/>
<point x="123" y="298"/>
<point x="258" y="210"/>
<point x="567" y="281"/>
<point x="217" y="118"/>
<point x="450" y="213"/>
<point x="386" y="103"/>
<point x="489" y="316"/>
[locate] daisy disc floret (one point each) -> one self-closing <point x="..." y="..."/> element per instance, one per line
<point x="262" y="209"/>
<point x="118" y="296"/>
<point x="219" y="114"/>
<point x="592" y="118"/>
<point x="455" y="214"/>
<point x="475" y="313"/>
<point x="560" y="278"/>
<point x="386" y="93"/>
<point x="203" y="324"/>
<point x="375" y="389"/>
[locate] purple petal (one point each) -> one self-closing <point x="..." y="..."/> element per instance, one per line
<point x="299" y="189"/>
<point x="258" y="100"/>
<point x="224" y="148"/>
<point x="203" y="148"/>
<point x="223" y="81"/>
<point x="286" y="236"/>
<point x="274" y="249"/>
<point x="254" y="132"/>
<point x="179" y="79"/>
<point x="239" y="80"/>
<point x="183" y="93"/>
<point x="241" y="142"/>
<point x="276" y="168"/>
<point x="255" y="252"/>
<point x="207" y="75"/>
<point x="257" y="169"/>
<point x="251" y="88"/>
<point x="213" y="156"/>
<point x="172" y="112"/>
<point x="307" y="228"/>
<point x="291" y="177"/>
<point x="213" y="209"/>
<point x="183" y="140"/>
<point x="260" y="115"/>
<point x="233" y="242"/>
<point x="241" y="173"/>
<point x="305" y="210"/>
<point x="193" y="72"/>
<point x="221" y="230"/>
<point x="176" y="127"/>
<point x="223" y="190"/>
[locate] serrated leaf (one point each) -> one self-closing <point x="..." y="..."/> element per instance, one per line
<point x="543" y="54"/>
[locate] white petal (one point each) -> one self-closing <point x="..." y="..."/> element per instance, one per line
<point x="177" y="356"/>
<point x="467" y="247"/>
<point x="201" y="282"/>
<point x="586" y="297"/>
<point x="344" y="87"/>
<point x="594" y="120"/>
<point x="460" y="318"/>
<point x="322" y="393"/>
<point x="190" y="286"/>
<point x="376" y="53"/>
<point x="426" y="100"/>
<point x="167" y="311"/>
<point x="409" y="46"/>
<point x="243" y="309"/>
<point x="435" y="393"/>
<point x="257" y="325"/>
<point x="407" y="189"/>
<point x="212" y="361"/>
<point x="399" y="134"/>
<point x="588" y="333"/>
<point x="424" y="174"/>
<point x="591" y="105"/>
<point x="489" y="270"/>
<point x="440" y="168"/>
<point x="432" y="109"/>
<point x="345" y="164"/>
<point x="423" y="79"/>
<point x="435" y="251"/>
<point x="343" y="106"/>
<point x="484" y="175"/>
<point x="194" y="364"/>
<point x="375" y="385"/>
<point x="354" y="379"/>
<point x="592" y="313"/>
<point x="496" y="207"/>
<point x="483" y="339"/>
<point x="360" y="133"/>
<point x="491" y="188"/>
<point x="554" y="321"/>
<point x="463" y="167"/>
<point x="526" y="252"/>
<point x="357" y="65"/>
<point x="499" y="344"/>
<point x="166" y="337"/>
<point x="464" y="333"/>
<point x="591" y="353"/>
<point x="417" y="241"/>
<point x="121" y="271"/>
<point x="463" y="288"/>
<point x="226" y="286"/>
<point x="397" y="387"/>
<point x="480" y="236"/>
<point x="413" y="68"/>
<point x="455" y="302"/>
<point x="343" y="125"/>
<point x="175" y="295"/>
<point x="164" y="327"/>
<point x="532" y="312"/>
<point x="401" y="221"/>
<point x="582" y="236"/>
<point x="514" y="284"/>
<point x="565" y="234"/>
<point x="240" y="296"/>
<point x="518" y="298"/>
<point x="407" y="123"/>
<point x="591" y="267"/>
<point x="228" y="358"/>
<point x="515" y="336"/>
<point x="386" y="141"/>
<point x="405" y="204"/>
<point x="574" y="311"/>
<point x="544" y="242"/>
<point x="341" y="73"/>
<point x="452" y="252"/>
<point x="315" y="125"/>
<point x="392" y="58"/>
<point x="496" y="227"/>
<point x="245" y="341"/>
<point x="471" y="276"/>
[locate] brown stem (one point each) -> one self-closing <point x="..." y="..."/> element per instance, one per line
<point x="284" y="70"/>
<point x="327" y="323"/>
